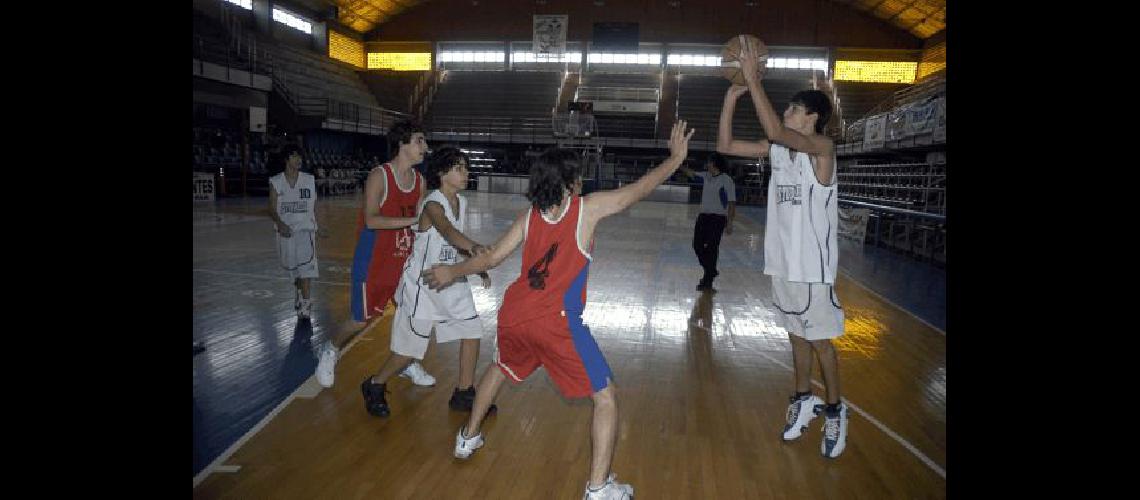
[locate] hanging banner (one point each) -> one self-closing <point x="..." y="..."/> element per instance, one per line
<point x="853" y="223"/>
<point x="876" y="132"/>
<point x="920" y="118"/>
<point x="939" y="120"/>
<point x="550" y="34"/>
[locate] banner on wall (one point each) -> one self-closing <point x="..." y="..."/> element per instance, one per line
<point x="203" y="186"/>
<point x="550" y="34"/>
<point x="876" y="132"/>
<point x="853" y="223"/>
<point x="939" y="120"/>
<point x="920" y="118"/>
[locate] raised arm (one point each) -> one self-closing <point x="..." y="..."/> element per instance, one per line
<point x="816" y="144"/>
<point x="725" y="143"/>
<point x="605" y="203"/>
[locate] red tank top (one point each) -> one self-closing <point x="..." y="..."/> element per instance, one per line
<point x="392" y="246"/>
<point x="554" y="270"/>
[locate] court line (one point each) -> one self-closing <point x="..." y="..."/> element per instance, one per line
<point x="218" y="464"/>
<point x="889" y="301"/>
<point x="882" y="427"/>
<point x="749" y="219"/>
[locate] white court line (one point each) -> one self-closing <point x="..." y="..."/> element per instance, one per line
<point x="262" y="276"/>
<point x="886" y="430"/>
<point x="217" y="464"/>
<point x="889" y="301"/>
<point x="865" y="287"/>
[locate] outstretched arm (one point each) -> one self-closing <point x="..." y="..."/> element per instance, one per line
<point x="440" y="276"/>
<point x="605" y="203"/>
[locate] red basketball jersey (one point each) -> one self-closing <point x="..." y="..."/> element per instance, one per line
<point x="554" y="270"/>
<point x="390" y="247"/>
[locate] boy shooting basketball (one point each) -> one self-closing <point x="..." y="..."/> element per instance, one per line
<point x="801" y="251"/>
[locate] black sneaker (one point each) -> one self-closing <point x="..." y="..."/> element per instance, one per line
<point x="374" y="400"/>
<point x="464" y="400"/>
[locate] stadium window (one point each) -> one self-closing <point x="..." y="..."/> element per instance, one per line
<point x="245" y="4"/>
<point x="291" y="20"/>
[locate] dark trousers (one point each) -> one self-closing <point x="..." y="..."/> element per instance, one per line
<point x="706" y="242"/>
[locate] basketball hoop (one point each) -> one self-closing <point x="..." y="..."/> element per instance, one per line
<point x="574" y="124"/>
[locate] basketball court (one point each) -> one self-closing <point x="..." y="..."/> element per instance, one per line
<point x="702" y="379"/>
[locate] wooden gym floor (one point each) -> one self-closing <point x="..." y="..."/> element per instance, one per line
<point x="703" y="379"/>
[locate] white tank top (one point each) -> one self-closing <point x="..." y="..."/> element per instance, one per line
<point x="431" y="248"/>
<point x="800" y="241"/>
<point x="295" y="203"/>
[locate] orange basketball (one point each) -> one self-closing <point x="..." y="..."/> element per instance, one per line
<point x="730" y="60"/>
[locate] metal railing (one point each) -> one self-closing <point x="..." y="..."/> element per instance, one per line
<point x="587" y="93"/>
<point x="347" y="115"/>
<point x="919" y="234"/>
<point x="246" y="56"/>
<point x="490" y="125"/>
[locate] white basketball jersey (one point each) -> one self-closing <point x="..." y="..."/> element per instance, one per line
<point x="430" y="248"/>
<point x="800" y="241"/>
<point x="295" y="203"/>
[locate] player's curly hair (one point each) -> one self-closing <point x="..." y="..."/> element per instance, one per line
<point x="440" y="162"/>
<point x="555" y="170"/>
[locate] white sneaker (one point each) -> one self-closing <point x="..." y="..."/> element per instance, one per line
<point x="465" y="446"/>
<point x="800" y="413"/>
<point x="306" y="309"/>
<point x="326" y="366"/>
<point x="612" y="490"/>
<point x="834" y="432"/>
<point x="418" y="375"/>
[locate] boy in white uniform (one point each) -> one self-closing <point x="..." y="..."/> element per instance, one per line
<point x="801" y="251"/>
<point x="450" y="313"/>
<point x="293" y="208"/>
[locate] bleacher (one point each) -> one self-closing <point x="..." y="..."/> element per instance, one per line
<point x="500" y="100"/>
<point x="313" y="84"/>
<point x="631" y="126"/>
<point x="215" y="148"/>
<point x="622" y="80"/>
<point x="517" y="94"/>
<point x="858" y="98"/>
<point x="335" y="172"/>
<point x="392" y="89"/>
<point x="308" y="74"/>
<point x="700" y="98"/>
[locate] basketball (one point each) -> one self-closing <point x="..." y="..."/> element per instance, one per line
<point x="730" y="60"/>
